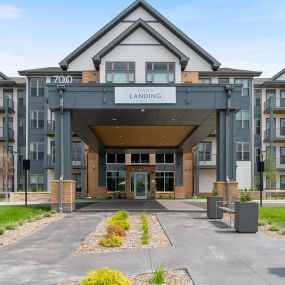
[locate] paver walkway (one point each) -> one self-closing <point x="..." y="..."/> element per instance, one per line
<point x="212" y="253"/>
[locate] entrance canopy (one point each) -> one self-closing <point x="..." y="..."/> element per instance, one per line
<point x="104" y="122"/>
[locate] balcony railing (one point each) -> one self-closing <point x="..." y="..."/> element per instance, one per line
<point x="205" y="160"/>
<point x="4" y="102"/>
<point x="276" y="134"/>
<point x="50" y="126"/>
<point x="4" y="135"/>
<point x="274" y="103"/>
<point x="51" y="161"/>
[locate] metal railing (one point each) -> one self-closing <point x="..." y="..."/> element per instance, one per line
<point x="204" y="160"/>
<point x="273" y="103"/>
<point x="4" y="102"/>
<point x="51" y="161"/>
<point x="276" y="133"/>
<point x="51" y="125"/>
<point x="3" y="134"/>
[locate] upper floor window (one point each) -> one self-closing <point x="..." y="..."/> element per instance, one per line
<point x="245" y="84"/>
<point x="37" y="182"/>
<point x="257" y="97"/>
<point x="76" y="151"/>
<point x="242" y="118"/>
<point x="242" y="150"/>
<point x="224" y="80"/>
<point x="204" y="151"/>
<point x="140" y="158"/>
<point x="37" y="87"/>
<point x="36" y="150"/>
<point x="115" y="158"/>
<point x="270" y="93"/>
<point x="8" y="93"/>
<point x="120" y="72"/>
<point x="36" y="119"/>
<point x="164" y="158"/>
<point x="160" y="72"/>
<point x="205" y="80"/>
<point x="21" y="126"/>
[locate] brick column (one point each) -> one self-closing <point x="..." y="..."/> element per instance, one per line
<point x="222" y="187"/>
<point x="68" y="195"/>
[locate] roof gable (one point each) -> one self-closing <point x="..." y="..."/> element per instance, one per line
<point x="122" y="16"/>
<point x="3" y="76"/>
<point x="279" y="74"/>
<point x="141" y="24"/>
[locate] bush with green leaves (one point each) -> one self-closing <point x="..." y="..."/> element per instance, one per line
<point x="158" y="276"/>
<point x="105" y="276"/>
<point x="121" y="215"/>
<point x="2" y="231"/>
<point x="274" y="228"/>
<point x="116" y="230"/>
<point x="12" y="226"/>
<point x="245" y="196"/>
<point x="53" y="212"/>
<point x="121" y="223"/>
<point x="145" y="235"/>
<point x="111" y="241"/>
<point x="215" y="192"/>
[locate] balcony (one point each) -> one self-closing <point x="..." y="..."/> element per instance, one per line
<point x="6" y="103"/>
<point x="50" y="162"/>
<point x="277" y="105"/>
<point x="4" y="135"/>
<point x="50" y="127"/>
<point x="205" y="160"/>
<point x="278" y="135"/>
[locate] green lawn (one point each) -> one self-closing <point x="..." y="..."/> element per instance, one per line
<point x="273" y="216"/>
<point x="19" y="214"/>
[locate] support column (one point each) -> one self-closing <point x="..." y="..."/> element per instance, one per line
<point x="102" y="169"/>
<point x="226" y="154"/>
<point x="179" y="183"/>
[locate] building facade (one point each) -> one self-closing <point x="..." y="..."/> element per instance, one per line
<point x="136" y="128"/>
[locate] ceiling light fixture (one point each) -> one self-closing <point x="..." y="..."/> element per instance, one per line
<point x="142" y="110"/>
<point x="114" y="119"/>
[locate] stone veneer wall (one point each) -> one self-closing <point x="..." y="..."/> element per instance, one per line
<point x="32" y="197"/>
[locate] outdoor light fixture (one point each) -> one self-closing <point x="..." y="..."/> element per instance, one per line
<point x="114" y="119"/>
<point x="173" y="119"/>
<point x="142" y="110"/>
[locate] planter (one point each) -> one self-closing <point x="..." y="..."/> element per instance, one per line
<point x="246" y="217"/>
<point x="212" y="211"/>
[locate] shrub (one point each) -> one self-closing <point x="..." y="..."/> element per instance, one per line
<point x="274" y="228"/>
<point x="12" y="226"/>
<point x="262" y="223"/>
<point x="2" y="231"/>
<point x="47" y="214"/>
<point x="145" y="235"/>
<point x="111" y="241"/>
<point x="121" y="215"/>
<point x="116" y="230"/>
<point x="215" y="192"/>
<point x="283" y="233"/>
<point x="121" y="223"/>
<point x="21" y="223"/>
<point x="158" y="277"/>
<point x="245" y="196"/>
<point x="38" y="217"/>
<point x="53" y="211"/>
<point x="105" y="276"/>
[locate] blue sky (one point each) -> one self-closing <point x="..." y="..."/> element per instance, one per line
<point x="239" y="33"/>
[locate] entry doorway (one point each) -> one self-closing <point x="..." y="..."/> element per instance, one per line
<point x="140" y="185"/>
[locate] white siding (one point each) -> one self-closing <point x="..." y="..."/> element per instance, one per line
<point x="84" y="61"/>
<point x="196" y="62"/>
<point x="141" y="55"/>
<point x="206" y="180"/>
<point x="140" y="13"/>
<point x="281" y="77"/>
<point x="243" y="174"/>
<point x="140" y="37"/>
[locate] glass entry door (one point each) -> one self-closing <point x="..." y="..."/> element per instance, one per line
<point x="140" y="183"/>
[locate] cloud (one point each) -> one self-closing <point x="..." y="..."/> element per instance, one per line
<point x="9" y="12"/>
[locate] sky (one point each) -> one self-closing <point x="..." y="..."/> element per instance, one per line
<point x="239" y="33"/>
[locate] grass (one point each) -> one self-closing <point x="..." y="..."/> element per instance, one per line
<point x="13" y="216"/>
<point x="158" y="276"/>
<point x="274" y="216"/>
<point x="145" y="235"/>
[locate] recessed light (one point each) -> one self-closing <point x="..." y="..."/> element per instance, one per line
<point x="163" y="136"/>
<point x="117" y="127"/>
<point x="120" y="137"/>
<point x="142" y="110"/>
<point x="173" y="119"/>
<point x="167" y="127"/>
<point x="122" y="143"/>
<point x="114" y="119"/>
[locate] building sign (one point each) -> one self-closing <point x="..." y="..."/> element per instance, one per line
<point x="145" y="95"/>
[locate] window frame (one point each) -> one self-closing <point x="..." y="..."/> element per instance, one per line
<point x="201" y="80"/>
<point x="203" y="151"/>
<point x="164" y="158"/>
<point x="243" y="144"/>
<point x="116" y="181"/>
<point x="242" y="112"/>
<point x="164" y="181"/>
<point x="116" y="158"/>
<point x="38" y="79"/>
<point x="140" y="155"/>
<point x="37" y="119"/>
<point x="244" y="88"/>
<point x="37" y="175"/>
<point x="128" y="71"/>
<point x="36" y="151"/>
<point x="155" y="71"/>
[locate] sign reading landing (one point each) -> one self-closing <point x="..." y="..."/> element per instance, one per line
<point x="145" y="95"/>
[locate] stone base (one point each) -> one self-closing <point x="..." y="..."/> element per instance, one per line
<point x="222" y="187"/>
<point x="32" y="197"/>
<point x="68" y="195"/>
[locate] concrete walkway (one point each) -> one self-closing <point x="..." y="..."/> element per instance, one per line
<point x="211" y="251"/>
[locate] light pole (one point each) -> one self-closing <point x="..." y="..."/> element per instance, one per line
<point x="260" y="169"/>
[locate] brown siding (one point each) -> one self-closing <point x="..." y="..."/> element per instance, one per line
<point x="189" y="77"/>
<point x="90" y="77"/>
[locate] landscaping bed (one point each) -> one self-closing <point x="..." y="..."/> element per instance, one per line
<point x="19" y="221"/>
<point x="136" y="237"/>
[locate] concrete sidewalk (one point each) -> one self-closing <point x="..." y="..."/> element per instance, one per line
<point x="211" y="251"/>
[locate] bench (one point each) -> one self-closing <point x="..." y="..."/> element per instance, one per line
<point x="226" y="209"/>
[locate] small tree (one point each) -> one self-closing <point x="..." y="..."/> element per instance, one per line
<point x="270" y="170"/>
<point x="7" y="170"/>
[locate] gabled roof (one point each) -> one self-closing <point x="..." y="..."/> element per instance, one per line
<point x="3" y="76"/>
<point x="226" y="71"/>
<point x="278" y="74"/>
<point x="45" y="70"/>
<point x="140" y="3"/>
<point x="141" y="24"/>
<point x="6" y="81"/>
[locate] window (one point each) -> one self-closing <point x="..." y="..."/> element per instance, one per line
<point x="205" y="80"/>
<point x="51" y="158"/>
<point x="140" y="158"/>
<point x="8" y="93"/>
<point x="242" y="118"/>
<point x="21" y="126"/>
<point x="242" y="150"/>
<point x="164" y="158"/>
<point x="160" y="72"/>
<point x="116" y="181"/>
<point x="116" y="158"/>
<point x="77" y="178"/>
<point x="21" y="152"/>
<point x="245" y="83"/>
<point x="204" y="151"/>
<point x="282" y="127"/>
<point x="282" y="182"/>
<point x="36" y="150"/>
<point x="120" y="72"/>
<point x="21" y="97"/>
<point x="36" y="119"/>
<point x="257" y="97"/>
<point x="21" y="183"/>
<point x="282" y="98"/>
<point x="267" y="131"/>
<point x="282" y="155"/>
<point x="37" y="182"/>
<point x="164" y="181"/>
<point x="10" y="123"/>
<point x="76" y="153"/>
<point x="37" y="87"/>
<point x="257" y="127"/>
<point x="268" y="153"/>
<point x="224" y="80"/>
